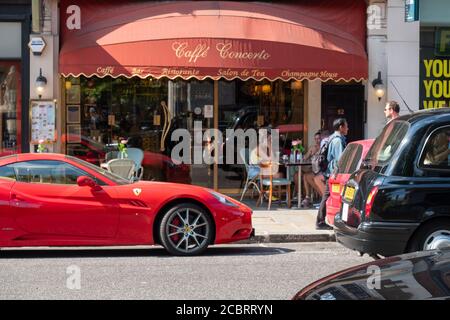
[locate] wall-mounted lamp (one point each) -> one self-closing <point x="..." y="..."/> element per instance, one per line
<point x="41" y="82"/>
<point x="378" y="86"/>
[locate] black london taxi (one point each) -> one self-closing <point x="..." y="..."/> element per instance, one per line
<point x="399" y="201"/>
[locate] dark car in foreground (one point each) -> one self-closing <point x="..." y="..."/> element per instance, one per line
<point x="399" y="201"/>
<point x="421" y="275"/>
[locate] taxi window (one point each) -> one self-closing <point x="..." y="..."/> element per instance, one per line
<point x="436" y="152"/>
<point x="387" y="144"/>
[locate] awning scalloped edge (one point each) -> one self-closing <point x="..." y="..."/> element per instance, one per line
<point x="70" y="74"/>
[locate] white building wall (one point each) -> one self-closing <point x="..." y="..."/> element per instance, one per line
<point x="314" y="105"/>
<point x="393" y="48"/>
<point x="48" y="62"/>
<point x="403" y="49"/>
<point x="377" y="60"/>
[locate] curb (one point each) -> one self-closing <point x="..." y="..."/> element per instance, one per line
<point x="279" y="238"/>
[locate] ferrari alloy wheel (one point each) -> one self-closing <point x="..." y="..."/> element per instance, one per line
<point x="186" y="230"/>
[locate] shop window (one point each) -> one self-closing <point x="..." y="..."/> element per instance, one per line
<point x="436" y="154"/>
<point x="146" y="112"/>
<point x="10" y="107"/>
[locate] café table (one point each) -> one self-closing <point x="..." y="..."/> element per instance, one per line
<point x="298" y="164"/>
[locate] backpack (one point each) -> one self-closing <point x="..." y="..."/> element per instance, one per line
<point x="319" y="162"/>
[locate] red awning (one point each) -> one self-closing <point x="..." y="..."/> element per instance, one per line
<point x="322" y="39"/>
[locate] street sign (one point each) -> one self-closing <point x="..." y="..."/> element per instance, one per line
<point x="37" y="45"/>
<point x="411" y="10"/>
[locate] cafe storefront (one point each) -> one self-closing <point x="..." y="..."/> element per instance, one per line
<point x="140" y="70"/>
<point x="14" y="77"/>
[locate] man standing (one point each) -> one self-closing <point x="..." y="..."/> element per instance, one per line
<point x="336" y="145"/>
<point x="392" y="110"/>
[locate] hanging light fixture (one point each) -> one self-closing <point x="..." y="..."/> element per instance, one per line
<point x="68" y="84"/>
<point x="41" y="82"/>
<point x="378" y="86"/>
<point x="296" y="85"/>
<point x="266" y="88"/>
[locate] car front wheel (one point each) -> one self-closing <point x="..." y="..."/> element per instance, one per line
<point x="186" y="230"/>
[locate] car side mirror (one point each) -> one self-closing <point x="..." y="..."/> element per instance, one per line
<point x="85" y="181"/>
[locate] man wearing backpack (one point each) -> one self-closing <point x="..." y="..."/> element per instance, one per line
<point x="333" y="150"/>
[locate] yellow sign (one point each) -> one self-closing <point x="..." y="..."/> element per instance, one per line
<point x="349" y="193"/>
<point x="137" y="191"/>
<point x="336" y="188"/>
<point x="436" y="83"/>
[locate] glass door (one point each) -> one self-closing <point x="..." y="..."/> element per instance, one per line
<point x="254" y="105"/>
<point x="10" y="107"/>
<point x="192" y="109"/>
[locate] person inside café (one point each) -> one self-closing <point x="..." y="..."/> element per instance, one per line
<point x="263" y="159"/>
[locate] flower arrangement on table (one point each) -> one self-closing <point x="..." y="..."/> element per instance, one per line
<point x="297" y="150"/>
<point x="297" y="146"/>
<point x="123" y="148"/>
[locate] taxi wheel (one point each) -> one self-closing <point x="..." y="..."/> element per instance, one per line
<point x="186" y="230"/>
<point x="433" y="235"/>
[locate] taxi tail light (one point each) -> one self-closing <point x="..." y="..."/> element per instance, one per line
<point x="370" y="200"/>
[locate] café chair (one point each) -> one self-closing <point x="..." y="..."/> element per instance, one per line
<point x="252" y="178"/>
<point x="267" y="185"/>
<point x="137" y="155"/>
<point x="124" y="168"/>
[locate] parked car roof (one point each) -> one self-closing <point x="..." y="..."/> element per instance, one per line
<point x="442" y="114"/>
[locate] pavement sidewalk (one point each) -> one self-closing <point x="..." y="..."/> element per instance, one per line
<point x="287" y="225"/>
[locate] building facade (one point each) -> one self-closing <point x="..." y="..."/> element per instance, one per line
<point x="141" y="69"/>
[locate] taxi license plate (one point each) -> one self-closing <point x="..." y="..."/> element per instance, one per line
<point x="349" y="193"/>
<point x="345" y="212"/>
<point x="336" y="188"/>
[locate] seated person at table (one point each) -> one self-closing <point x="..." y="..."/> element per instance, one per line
<point x="319" y="178"/>
<point x="263" y="157"/>
<point x="307" y="173"/>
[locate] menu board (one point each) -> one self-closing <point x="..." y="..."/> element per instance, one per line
<point x="42" y="121"/>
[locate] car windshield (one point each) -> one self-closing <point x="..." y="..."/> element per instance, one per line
<point x="350" y="159"/>
<point x="386" y="144"/>
<point x="103" y="172"/>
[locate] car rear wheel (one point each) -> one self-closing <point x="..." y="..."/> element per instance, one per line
<point x="186" y="230"/>
<point x="435" y="235"/>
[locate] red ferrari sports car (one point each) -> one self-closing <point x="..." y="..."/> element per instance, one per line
<point x="59" y="200"/>
<point x="349" y="162"/>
